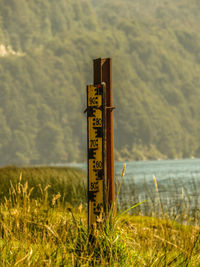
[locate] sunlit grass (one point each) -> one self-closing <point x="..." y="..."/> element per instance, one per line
<point x="43" y="230"/>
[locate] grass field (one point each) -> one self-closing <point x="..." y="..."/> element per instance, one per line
<point x="43" y="223"/>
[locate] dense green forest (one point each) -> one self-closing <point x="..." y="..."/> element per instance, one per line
<point x="46" y="52"/>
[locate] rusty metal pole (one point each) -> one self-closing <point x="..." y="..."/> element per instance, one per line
<point x="103" y="73"/>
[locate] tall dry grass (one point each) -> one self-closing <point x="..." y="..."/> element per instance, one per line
<point x="43" y="230"/>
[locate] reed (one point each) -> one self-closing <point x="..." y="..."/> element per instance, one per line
<point x="69" y="182"/>
<point x="173" y="199"/>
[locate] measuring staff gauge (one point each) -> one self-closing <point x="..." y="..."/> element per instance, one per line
<point x="96" y="153"/>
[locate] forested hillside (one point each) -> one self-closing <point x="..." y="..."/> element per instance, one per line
<point x="46" y="52"/>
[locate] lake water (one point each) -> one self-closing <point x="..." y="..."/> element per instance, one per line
<point x="178" y="183"/>
<point x="178" y="186"/>
<point x="182" y="169"/>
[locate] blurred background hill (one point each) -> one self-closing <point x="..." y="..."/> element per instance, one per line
<point x="46" y="52"/>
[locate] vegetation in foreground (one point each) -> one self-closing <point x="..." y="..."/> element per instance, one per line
<point x="43" y="230"/>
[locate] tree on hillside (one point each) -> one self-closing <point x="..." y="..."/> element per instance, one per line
<point x="49" y="142"/>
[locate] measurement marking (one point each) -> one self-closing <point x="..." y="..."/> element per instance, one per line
<point x="96" y="110"/>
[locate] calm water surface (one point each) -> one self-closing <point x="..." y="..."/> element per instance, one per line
<point x="183" y="169"/>
<point x="178" y="182"/>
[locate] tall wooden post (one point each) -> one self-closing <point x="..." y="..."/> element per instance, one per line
<point x="103" y="73"/>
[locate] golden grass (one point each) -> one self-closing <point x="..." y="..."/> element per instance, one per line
<point x="45" y="231"/>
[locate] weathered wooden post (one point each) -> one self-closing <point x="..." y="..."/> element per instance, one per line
<point x="101" y="190"/>
<point x="103" y="73"/>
